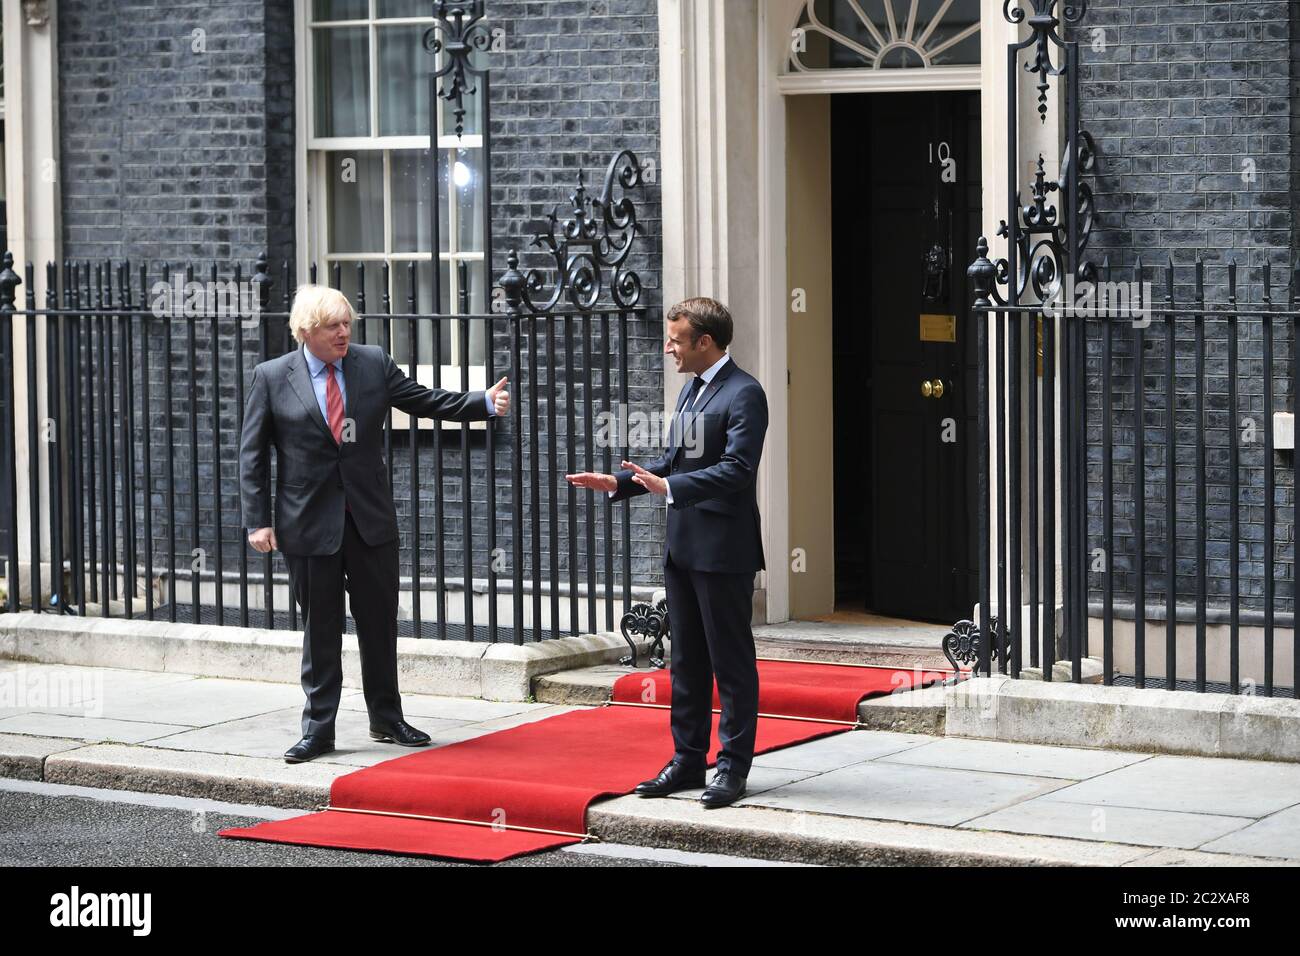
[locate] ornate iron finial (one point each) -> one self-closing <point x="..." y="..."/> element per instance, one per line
<point x="9" y="283"/>
<point x="512" y="283"/>
<point x="1043" y="21"/>
<point x="262" y="281"/>
<point x="982" y="275"/>
<point x="459" y="32"/>
<point x="1038" y="216"/>
<point x="597" y="236"/>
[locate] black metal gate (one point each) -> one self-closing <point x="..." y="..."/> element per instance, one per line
<point x="1083" y="515"/>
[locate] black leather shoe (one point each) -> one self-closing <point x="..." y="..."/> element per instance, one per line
<point x="309" y="748"/>
<point x="400" y="733"/>
<point x="724" y="790"/>
<point x="672" y="778"/>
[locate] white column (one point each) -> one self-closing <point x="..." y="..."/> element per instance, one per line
<point x="33" y="207"/>
<point x="711" y="86"/>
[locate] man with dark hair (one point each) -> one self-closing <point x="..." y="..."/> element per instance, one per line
<point x="713" y="549"/>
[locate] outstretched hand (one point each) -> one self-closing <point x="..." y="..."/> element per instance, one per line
<point x="499" y="397"/>
<point x="593" y="480"/>
<point x="647" y="480"/>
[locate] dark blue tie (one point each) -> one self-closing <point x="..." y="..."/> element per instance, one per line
<point x="696" y="385"/>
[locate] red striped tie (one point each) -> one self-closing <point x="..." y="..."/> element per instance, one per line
<point x="334" y="405"/>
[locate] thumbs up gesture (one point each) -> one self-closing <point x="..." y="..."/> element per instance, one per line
<point x="499" y="397"/>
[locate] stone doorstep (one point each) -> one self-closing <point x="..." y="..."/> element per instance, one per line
<point x="763" y="832"/>
<point x="1057" y="712"/>
<point x="1060" y="713"/>
<point x="917" y="712"/>
<point x="448" y="668"/>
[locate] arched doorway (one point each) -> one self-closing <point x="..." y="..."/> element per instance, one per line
<point x="880" y="106"/>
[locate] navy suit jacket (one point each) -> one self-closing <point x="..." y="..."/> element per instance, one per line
<point x="712" y="464"/>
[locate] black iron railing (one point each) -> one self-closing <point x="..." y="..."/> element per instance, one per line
<point x="1115" y="465"/>
<point x="136" y="451"/>
<point x="1077" y="417"/>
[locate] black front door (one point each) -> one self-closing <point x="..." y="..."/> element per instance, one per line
<point x="906" y="200"/>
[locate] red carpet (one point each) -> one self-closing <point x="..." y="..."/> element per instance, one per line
<point x="543" y="775"/>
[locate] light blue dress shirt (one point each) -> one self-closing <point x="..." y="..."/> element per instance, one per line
<point x="320" y="382"/>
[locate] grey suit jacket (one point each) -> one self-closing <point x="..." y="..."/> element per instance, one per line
<point x="315" y="475"/>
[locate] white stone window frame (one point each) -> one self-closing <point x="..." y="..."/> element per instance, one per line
<point x="311" y="216"/>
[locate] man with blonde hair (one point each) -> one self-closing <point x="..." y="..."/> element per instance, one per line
<point x="322" y="407"/>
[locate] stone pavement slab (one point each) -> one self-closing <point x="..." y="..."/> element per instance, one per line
<point x="884" y="791"/>
<point x="1030" y="760"/>
<point x="840" y="750"/>
<point x="198" y="702"/>
<point x="465" y="709"/>
<point x="86" y="728"/>
<point x="1276" y="835"/>
<point x="1164" y="828"/>
<point x="68" y="689"/>
<point x="270" y="735"/>
<point x="1210" y="785"/>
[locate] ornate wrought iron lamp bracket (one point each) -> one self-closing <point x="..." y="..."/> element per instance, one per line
<point x="1039" y="231"/>
<point x="459" y="32"/>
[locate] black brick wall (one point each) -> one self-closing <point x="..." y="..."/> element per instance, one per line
<point x="170" y="155"/>
<point x="1182" y="95"/>
<point x="578" y="81"/>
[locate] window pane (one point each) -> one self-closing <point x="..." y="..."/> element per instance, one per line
<point x="342" y="82"/>
<point x="461" y="179"/>
<point x="349" y="284"/>
<point x="403" y="8"/>
<point x="448" y="356"/>
<point x="412" y="193"/>
<point x="424" y="287"/>
<point x="965" y="51"/>
<point x="475" y="275"/>
<point x="423" y="305"/>
<point x="340" y="9"/>
<point x="355" y="201"/>
<point x="958" y="18"/>
<point x="404" y="67"/>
